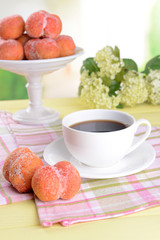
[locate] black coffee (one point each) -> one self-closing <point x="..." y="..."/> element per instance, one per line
<point x="98" y="126"/>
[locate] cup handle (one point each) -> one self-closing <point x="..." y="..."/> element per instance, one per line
<point x="137" y="141"/>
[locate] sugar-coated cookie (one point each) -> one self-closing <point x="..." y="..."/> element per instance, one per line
<point x="42" y="24"/>
<point x="41" y="49"/>
<point x="66" y="45"/>
<point x="53" y="182"/>
<point x="19" y="168"/>
<point x="11" y="50"/>
<point x="12" y="27"/>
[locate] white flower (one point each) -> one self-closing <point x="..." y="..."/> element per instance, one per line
<point x="108" y="63"/>
<point x="95" y="93"/>
<point x="133" y="89"/>
<point x="153" y="86"/>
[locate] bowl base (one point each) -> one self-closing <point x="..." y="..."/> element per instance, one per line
<point x="36" y="116"/>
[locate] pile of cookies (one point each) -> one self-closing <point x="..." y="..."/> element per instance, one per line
<point x="26" y="172"/>
<point x="37" y="38"/>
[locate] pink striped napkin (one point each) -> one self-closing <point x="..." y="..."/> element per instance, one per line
<point x="97" y="199"/>
<point x="13" y="135"/>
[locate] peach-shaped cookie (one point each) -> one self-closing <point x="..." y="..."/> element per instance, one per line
<point x="53" y="27"/>
<point x="66" y="45"/>
<point x="10" y="159"/>
<point x="41" y="49"/>
<point x="22" y="170"/>
<point x="42" y="24"/>
<point x="19" y="168"/>
<point x="70" y="180"/>
<point x="35" y="24"/>
<point x="12" y="27"/>
<point x="11" y="50"/>
<point x="46" y="183"/>
<point x="59" y="181"/>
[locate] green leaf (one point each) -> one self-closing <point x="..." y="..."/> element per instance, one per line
<point x="114" y="86"/>
<point x="120" y="105"/>
<point x="106" y="81"/>
<point x="116" y="52"/>
<point x="90" y="65"/>
<point x="153" y="64"/>
<point x="82" y="69"/>
<point x="119" y="77"/>
<point x="130" y="64"/>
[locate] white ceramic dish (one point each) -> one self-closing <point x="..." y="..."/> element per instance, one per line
<point x="33" y="70"/>
<point x="136" y="161"/>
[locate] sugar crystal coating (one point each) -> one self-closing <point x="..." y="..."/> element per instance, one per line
<point x="42" y="24"/>
<point x="53" y="26"/>
<point x="59" y="181"/>
<point x="66" y="45"/>
<point x="11" y="50"/>
<point x="46" y="183"/>
<point x="11" y="27"/>
<point x="10" y="159"/>
<point x="19" y="168"/>
<point x="35" y="24"/>
<point x="41" y="49"/>
<point x="69" y="179"/>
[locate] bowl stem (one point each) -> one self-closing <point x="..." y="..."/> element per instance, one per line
<point x="34" y="89"/>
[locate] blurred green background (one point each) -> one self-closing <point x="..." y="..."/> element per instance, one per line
<point x="12" y="86"/>
<point x="134" y="28"/>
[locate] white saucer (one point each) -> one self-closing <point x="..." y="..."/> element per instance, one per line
<point x="138" y="160"/>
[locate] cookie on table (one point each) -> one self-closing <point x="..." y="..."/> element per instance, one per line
<point x="19" y="168"/>
<point x="53" y="182"/>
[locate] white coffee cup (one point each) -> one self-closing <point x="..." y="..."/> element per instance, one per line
<point x="102" y="149"/>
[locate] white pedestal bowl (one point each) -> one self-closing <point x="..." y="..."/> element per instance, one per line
<point x="33" y="70"/>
